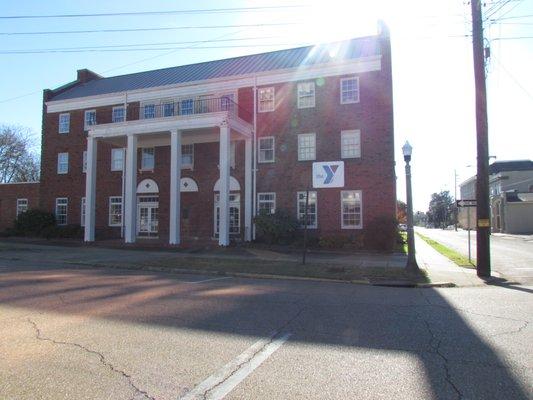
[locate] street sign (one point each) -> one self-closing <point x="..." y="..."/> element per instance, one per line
<point x="466" y="203"/>
<point x="329" y="174"/>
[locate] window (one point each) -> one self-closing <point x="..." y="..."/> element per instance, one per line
<point x="311" y="210"/>
<point x="147" y="159"/>
<point x="227" y="102"/>
<point x="64" y="123"/>
<point x="306" y="146"/>
<point x="118" y="114"/>
<point x="84" y="162"/>
<point x="266" y="149"/>
<point x="186" y="107"/>
<point x="149" y="111"/>
<point x="22" y="206"/>
<point x="306" y="94"/>
<point x="350" y="90"/>
<point x="90" y="118"/>
<point x="351" y="144"/>
<point x="168" y="109"/>
<point x="62" y="163"/>
<point x="187" y="156"/>
<point x="266" y="203"/>
<point x="115" y="211"/>
<point x="61" y="210"/>
<point x="82" y="212"/>
<point x="117" y="159"/>
<point x="351" y="209"/>
<point x="266" y="99"/>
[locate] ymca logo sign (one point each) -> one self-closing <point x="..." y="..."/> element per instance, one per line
<point x="328" y="174"/>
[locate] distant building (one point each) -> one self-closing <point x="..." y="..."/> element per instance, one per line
<point x="511" y="197"/>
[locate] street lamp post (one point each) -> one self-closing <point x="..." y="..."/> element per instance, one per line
<point x="411" y="266"/>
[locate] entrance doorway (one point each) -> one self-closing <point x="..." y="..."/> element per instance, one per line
<point x="234" y="214"/>
<point x="147" y="216"/>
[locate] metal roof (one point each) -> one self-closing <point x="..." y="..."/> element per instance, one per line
<point x="514" y="165"/>
<point x="271" y="61"/>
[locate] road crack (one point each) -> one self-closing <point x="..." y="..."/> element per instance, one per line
<point x="39" y="336"/>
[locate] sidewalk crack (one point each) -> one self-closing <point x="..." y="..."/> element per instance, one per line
<point x="39" y="336"/>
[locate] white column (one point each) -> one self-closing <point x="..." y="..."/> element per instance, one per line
<point x="130" y="200"/>
<point x="224" y="165"/>
<point x="248" y="189"/>
<point x="175" y="177"/>
<point x="90" y="189"/>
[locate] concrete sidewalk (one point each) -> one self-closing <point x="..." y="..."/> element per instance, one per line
<point x="440" y="269"/>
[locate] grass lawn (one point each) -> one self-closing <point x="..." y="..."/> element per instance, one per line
<point x="456" y="257"/>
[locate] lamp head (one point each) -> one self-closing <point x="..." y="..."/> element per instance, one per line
<point x="407" y="150"/>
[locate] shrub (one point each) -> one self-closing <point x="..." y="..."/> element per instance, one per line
<point x="277" y="228"/>
<point x="33" y="222"/>
<point x="381" y="234"/>
<point x="333" y="242"/>
<point x="72" y="231"/>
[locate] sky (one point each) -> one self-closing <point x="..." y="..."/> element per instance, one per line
<point x="431" y="50"/>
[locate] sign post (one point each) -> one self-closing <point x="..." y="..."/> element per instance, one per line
<point x="468" y="204"/>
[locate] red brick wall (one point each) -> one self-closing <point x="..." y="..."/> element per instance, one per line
<point x="9" y="193"/>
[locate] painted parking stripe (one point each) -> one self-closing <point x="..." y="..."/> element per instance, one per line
<point x="210" y="279"/>
<point x="218" y="385"/>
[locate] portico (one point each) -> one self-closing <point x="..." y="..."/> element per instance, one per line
<point x="174" y="131"/>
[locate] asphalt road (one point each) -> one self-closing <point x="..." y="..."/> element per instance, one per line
<point x="511" y="255"/>
<point x="68" y="333"/>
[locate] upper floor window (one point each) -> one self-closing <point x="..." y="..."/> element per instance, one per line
<point x="349" y="90"/>
<point x="147" y="158"/>
<point x="351" y="144"/>
<point x="266" y="99"/>
<point x="306" y="94"/>
<point x="168" y="109"/>
<point x="266" y="203"/>
<point x="311" y="209"/>
<point x="149" y="111"/>
<point x="117" y="159"/>
<point x="186" y="106"/>
<point x="187" y="156"/>
<point x="22" y="206"/>
<point x="306" y="146"/>
<point x="266" y="149"/>
<point x="118" y="114"/>
<point x="90" y="118"/>
<point x="64" y="123"/>
<point x="61" y="210"/>
<point x="227" y="102"/>
<point x="351" y="209"/>
<point x="84" y="162"/>
<point x="62" y="163"/>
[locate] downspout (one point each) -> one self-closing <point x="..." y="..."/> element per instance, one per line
<point x="124" y="169"/>
<point x="254" y="170"/>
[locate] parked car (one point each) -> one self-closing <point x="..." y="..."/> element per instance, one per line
<point x="402" y="227"/>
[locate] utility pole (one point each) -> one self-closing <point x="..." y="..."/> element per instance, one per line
<point x="482" y="179"/>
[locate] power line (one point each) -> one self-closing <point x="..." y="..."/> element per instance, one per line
<point x="512" y="77"/>
<point x="513" y="38"/>
<point x="149" y="29"/>
<point x="517" y="16"/>
<point x="141" y="13"/>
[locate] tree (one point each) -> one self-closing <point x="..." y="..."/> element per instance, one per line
<point x="441" y="209"/>
<point x="401" y="212"/>
<point x="17" y="161"/>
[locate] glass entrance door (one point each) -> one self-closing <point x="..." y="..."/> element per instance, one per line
<point x="147" y="216"/>
<point x="234" y="214"/>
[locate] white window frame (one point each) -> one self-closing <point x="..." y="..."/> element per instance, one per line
<point x="64" y="126"/>
<point x="114" y="201"/>
<point x="61" y="202"/>
<point x="149" y="105"/>
<point x="191" y="164"/>
<point x="143" y="159"/>
<point x="113" y="116"/>
<point x="164" y="106"/>
<point x="84" y="162"/>
<point x="87" y="122"/>
<point x="62" y="163"/>
<point x="22" y="206"/>
<point x="114" y="161"/>
<point x="310" y="100"/>
<point x="298" y="211"/>
<point x="262" y="158"/>
<point x="301" y="138"/>
<point x="261" y="201"/>
<point x="350" y="150"/>
<point x="266" y="104"/>
<point x="358" y="193"/>
<point x="83" y="204"/>
<point x="357" y="90"/>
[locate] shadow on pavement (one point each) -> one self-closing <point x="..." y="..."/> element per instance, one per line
<point x="458" y="363"/>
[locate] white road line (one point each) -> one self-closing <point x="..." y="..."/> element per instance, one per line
<point x="223" y="381"/>
<point x="210" y="280"/>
